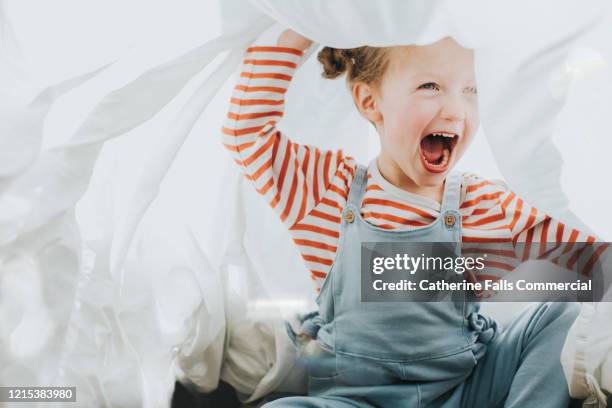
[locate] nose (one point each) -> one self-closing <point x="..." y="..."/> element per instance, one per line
<point x="453" y="108"/>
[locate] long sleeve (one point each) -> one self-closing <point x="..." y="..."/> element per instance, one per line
<point x="535" y="235"/>
<point x="292" y="178"/>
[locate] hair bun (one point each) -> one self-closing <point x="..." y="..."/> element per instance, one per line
<point x="335" y="61"/>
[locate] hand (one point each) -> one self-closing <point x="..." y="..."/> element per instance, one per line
<point x="291" y="39"/>
<point x="482" y="294"/>
<point x="303" y="337"/>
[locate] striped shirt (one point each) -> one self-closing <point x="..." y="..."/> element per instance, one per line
<point x="308" y="187"/>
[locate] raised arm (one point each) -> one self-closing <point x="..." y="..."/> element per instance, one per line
<point x="535" y="235"/>
<point x="292" y="178"/>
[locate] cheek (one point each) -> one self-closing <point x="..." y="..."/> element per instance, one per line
<point x="475" y="120"/>
<point x="472" y="122"/>
<point x="471" y="126"/>
<point x="473" y="115"/>
<point x="405" y="122"/>
<point x="423" y="115"/>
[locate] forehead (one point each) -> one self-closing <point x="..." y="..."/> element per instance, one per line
<point x="443" y="58"/>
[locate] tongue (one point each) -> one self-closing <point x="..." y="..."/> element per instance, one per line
<point x="432" y="148"/>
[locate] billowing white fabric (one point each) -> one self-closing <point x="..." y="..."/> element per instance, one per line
<point x="520" y="71"/>
<point x="123" y="287"/>
<point x="587" y="354"/>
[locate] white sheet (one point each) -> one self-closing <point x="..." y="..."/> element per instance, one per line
<point x="147" y="228"/>
<point x="587" y="354"/>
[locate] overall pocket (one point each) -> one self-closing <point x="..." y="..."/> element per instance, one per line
<point x="320" y="363"/>
<point x="322" y="368"/>
<point x="363" y="371"/>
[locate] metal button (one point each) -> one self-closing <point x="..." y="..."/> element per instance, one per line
<point x="450" y="220"/>
<point x="349" y="216"/>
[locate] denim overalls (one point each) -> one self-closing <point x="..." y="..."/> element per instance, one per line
<point x="389" y="354"/>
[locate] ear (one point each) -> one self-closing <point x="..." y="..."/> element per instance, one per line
<point x="366" y="100"/>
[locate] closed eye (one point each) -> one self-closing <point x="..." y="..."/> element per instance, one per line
<point x="430" y="85"/>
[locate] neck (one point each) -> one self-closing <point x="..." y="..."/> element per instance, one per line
<point x="394" y="175"/>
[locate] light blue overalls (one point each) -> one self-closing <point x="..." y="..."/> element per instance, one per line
<point x="424" y="354"/>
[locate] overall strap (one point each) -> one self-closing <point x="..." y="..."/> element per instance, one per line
<point x="452" y="193"/>
<point x="358" y="186"/>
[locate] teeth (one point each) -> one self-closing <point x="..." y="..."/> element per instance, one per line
<point x="449" y="135"/>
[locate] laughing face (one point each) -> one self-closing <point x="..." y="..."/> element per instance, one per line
<point x="425" y="110"/>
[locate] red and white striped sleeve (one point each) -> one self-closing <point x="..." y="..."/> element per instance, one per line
<point x="538" y="236"/>
<point x="292" y="178"/>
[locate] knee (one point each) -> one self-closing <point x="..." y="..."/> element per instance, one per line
<point x="274" y="404"/>
<point x="561" y="314"/>
<point x="288" y="402"/>
<point x="550" y="323"/>
<point x="563" y="310"/>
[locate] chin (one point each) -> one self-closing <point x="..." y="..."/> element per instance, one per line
<point x="429" y="179"/>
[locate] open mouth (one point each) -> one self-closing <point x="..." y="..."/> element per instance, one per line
<point x="436" y="150"/>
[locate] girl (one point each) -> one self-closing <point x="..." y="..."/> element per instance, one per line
<point x="422" y="101"/>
